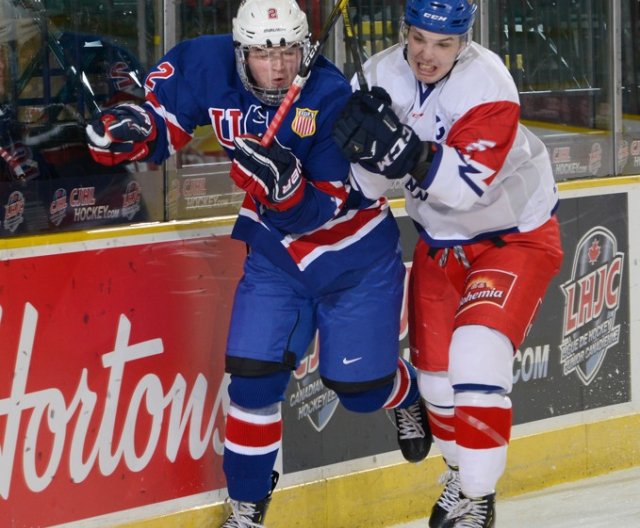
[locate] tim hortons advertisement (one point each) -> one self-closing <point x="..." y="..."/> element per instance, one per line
<point x="575" y="357"/>
<point x="112" y="388"/>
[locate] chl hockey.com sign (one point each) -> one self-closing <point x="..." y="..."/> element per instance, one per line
<point x="576" y="356"/>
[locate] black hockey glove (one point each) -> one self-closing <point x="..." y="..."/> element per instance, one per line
<point x="369" y="132"/>
<point x="272" y="175"/>
<point x="123" y="133"/>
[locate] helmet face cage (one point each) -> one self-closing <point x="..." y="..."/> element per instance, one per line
<point x="449" y="17"/>
<point x="264" y="25"/>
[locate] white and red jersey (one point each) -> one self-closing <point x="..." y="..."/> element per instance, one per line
<point x="490" y="175"/>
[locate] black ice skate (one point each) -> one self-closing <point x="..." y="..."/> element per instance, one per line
<point x="473" y="513"/>
<point x="250" y="514"/>
<point x="414" y="433"/>
<point x="449" y="498"/>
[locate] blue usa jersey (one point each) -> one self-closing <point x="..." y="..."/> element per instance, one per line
<point x="333" y="229"/>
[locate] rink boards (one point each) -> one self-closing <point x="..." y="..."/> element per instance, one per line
<point x="113" y="412"/>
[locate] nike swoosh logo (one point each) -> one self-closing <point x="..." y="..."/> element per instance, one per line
<point x="346" y="361"/>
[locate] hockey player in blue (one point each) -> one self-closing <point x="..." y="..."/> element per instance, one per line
<point x="322" y="257"/>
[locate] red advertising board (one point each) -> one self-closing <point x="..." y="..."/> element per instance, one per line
<point x="112" y="380"/>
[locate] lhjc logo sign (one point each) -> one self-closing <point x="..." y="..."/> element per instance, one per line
<point x="592" y="298"/>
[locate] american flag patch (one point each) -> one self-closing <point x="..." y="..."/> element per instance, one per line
<point x="304" y="123"/>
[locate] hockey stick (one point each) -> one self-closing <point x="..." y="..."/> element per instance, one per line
<point x="303" y="74"/>
<point x="354" y="45"/>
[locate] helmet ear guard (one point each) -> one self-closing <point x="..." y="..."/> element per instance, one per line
<point x="268" y="24"/>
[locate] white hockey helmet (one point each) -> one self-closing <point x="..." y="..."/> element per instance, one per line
<point x="267" y="24"/>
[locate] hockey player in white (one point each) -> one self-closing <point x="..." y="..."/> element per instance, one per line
<point x="443" y="117"/>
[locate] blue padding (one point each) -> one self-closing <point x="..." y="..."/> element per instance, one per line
<point x="373" y="399"/>
<point x="365" y="401"/>
<point x="248" y="477"/>
<point x="477" y="387"/>
<point x="259" y="391"/>
<point x="414" y="390"/>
